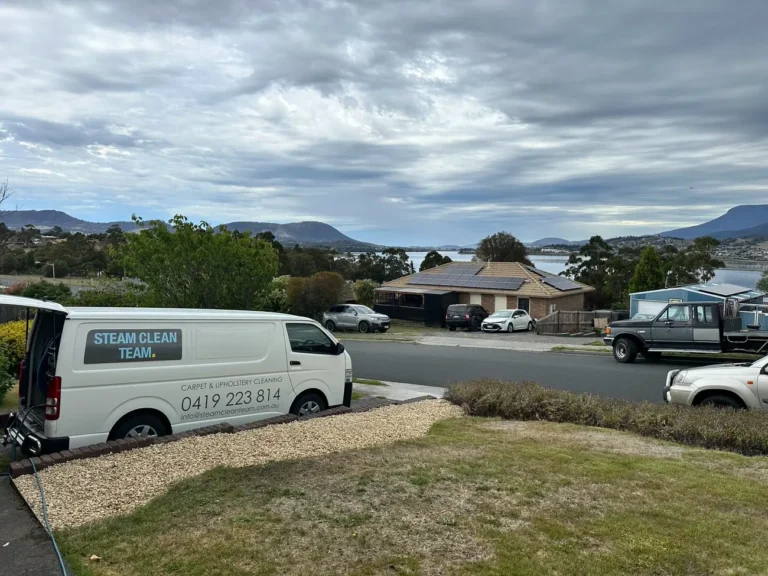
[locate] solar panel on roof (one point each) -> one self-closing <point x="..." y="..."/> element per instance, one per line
<point x="540" y="272"/>
<point x="466" y="281"/>
<point x="561" y="283"/>
<point x="464" y="268"/>
<point x="723" y="289"/>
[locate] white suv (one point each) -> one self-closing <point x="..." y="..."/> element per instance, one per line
<point x="729" y="385"/>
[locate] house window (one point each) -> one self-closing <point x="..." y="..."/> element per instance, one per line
<point x="524" y="304"/>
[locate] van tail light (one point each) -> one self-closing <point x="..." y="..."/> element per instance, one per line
<point x="466" y="317"/>
<point x="22" y="367"/>
<point x="53" y="398"/>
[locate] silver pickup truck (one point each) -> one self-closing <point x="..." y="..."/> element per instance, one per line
<point x="683" y="327"/>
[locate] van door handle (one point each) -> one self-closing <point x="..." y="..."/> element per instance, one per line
<point x="295" y="363"/>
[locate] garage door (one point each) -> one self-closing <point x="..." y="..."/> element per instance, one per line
<point x="650" y="307"/>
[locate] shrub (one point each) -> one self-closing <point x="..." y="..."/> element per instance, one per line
<point x="311" y="296"/>
<point x="276" y="297"/>
<point x="50" y="291"/>
<point x="364" y="291"/>
<point x="6" y="380"/>
<point x="745" y="432"/>
<point x="16" y="289"/>
<point x="13" y="343"/>
<point x="113" y="295"/>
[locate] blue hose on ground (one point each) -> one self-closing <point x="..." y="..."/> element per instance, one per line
<point x="45" y="518"/>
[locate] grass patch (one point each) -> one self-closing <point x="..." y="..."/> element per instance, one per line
<point x="745" y="432"/>
<point x="596" y="343"/>
<point x="357" y="395"/>
<point x="583" y="349"/>
<point x="475" y="497"/>
<point x="11" y="398"/>
<point x="368" y="382"/>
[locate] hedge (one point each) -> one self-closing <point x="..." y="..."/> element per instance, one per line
<point x="13" y="338"/>
<point x="742" y="431"/>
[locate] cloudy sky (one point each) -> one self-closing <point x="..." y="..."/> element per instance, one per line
<point x="399" y="122"/>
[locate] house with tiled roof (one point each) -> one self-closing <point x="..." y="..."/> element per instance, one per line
<point x="425" y="296"/>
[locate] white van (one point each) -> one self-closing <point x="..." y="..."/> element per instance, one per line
<point x="97" y="374"/>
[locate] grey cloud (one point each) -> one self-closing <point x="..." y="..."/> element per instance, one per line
<point x="637" y="103"/>
<point x="89" y="132"/>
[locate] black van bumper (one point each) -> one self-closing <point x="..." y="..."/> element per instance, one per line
<point x="31" y="442"/>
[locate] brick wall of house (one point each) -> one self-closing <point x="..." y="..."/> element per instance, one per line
<point x="463" y="298"/>
<point x="489" y="303"/>
<point x="511" y="302"/>
<point x="572" y="303"/>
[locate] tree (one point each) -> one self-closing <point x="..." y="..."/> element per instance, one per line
<point x="763" y="283"/>
<point x="396" y="263"/>
<point x="502" y="247"/>
<point x="312" y="296"/>
<point x="194" y="266"/>
<point x="433" y="260"/>
<point x="694" y="265"/>
<point x="364" y="291"/>
<point x="649" y="272"/>
<point x="592" y="265"/>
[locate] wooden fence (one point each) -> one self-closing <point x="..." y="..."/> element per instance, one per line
<point x="566" y="322"/>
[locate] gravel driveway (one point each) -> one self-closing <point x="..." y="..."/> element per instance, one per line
<point x="86" y="490"/>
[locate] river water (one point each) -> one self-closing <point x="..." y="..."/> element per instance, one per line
<point x="556" y="264"/>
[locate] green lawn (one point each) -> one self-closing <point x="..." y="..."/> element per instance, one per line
<point x="475" y="497"/>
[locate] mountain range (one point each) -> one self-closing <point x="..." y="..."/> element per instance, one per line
<point x="303" y="233"/>
<point x="746" y="221"/>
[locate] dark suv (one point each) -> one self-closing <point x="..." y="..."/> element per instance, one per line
<point x="469" y="316"/>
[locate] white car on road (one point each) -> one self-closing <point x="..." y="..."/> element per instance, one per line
<point x="729" y="385"/>
<point x="508" y="321"/>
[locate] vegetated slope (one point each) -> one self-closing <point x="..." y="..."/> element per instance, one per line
<point x="738" y="222"/>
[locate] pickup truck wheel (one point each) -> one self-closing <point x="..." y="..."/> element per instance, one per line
<point x="722" y="401"/>
<point x="625" y="351"/>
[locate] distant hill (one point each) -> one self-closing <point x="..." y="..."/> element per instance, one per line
<point x="304" y="233"/>
<point x="760" y="231"/>
<point x="739" y="222"/>
<point x="47" y="219"/>
<point x="555" y="242"/>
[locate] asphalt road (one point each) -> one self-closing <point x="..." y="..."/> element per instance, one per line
<point x="442" y="365"/>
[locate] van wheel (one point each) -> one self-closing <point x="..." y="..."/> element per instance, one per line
<point x="364" y="327"/>
<point x="330" y="326"/>
<point x="624" y="350"/>
<point x="309" y="403"/>
<point x="139" y="426"/>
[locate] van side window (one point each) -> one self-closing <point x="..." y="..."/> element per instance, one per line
<point x="309" y="339"/>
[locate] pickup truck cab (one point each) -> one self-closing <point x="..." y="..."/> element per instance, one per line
<point x="695" y="327"/>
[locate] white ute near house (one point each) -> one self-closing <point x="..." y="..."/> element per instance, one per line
<point x="96" y="374"/>
<point x="727" y="385"/>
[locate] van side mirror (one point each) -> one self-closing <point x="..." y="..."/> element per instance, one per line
<point x="339" y="349"/>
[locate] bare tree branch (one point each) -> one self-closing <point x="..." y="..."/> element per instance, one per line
<point x="5" y="192"/>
